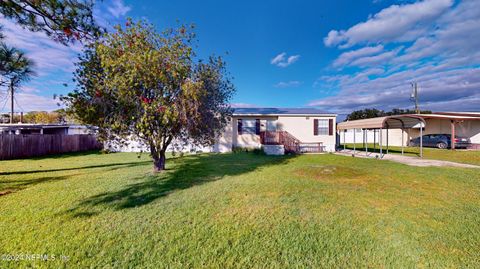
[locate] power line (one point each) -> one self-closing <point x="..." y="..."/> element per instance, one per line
<point x="2" y="95"/>
<point x="18" y="104"/>
<point x="5" y="101"/>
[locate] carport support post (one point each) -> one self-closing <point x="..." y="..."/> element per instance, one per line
<point x="387" y="140"/>
<point x="363" y="132"/>
<point x="380" y="142"/>
<point x="402" y="141"/>
<point x="421" y="140"/>
<point x="366" y="141"/>
<point x="344" y="145"/>
<point x="452" y="137"/>
<point x="374" y="140"/>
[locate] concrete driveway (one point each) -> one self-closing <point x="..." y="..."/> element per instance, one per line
<point x="408" y="160"/>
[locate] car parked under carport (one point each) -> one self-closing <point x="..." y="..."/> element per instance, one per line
<point x="441" y="141"/>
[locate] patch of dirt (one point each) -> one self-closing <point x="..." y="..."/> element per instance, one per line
<point x="5" y="192"/>
<point x="328" y="172"/>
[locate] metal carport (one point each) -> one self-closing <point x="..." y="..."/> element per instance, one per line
<point x="389" y="122"/>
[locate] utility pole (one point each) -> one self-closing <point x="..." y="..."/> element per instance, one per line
<point x="11" y="105"/>
<point x="414" y="96"/>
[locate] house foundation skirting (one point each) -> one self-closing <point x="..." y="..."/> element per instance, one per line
<point x="274" y="149"/>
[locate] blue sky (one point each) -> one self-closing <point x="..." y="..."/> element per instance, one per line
<point x="334" y="55"/>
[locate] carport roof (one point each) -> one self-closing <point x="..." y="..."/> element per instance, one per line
<point x="391" y="122"/>
<point x="468" y="114"/>
<point x="457" y="116"/>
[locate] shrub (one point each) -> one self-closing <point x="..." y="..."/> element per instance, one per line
<point x="257" y="151"/>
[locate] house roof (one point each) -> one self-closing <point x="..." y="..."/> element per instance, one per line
<point x="31" y="126"/>
<point x="275" y="111"/>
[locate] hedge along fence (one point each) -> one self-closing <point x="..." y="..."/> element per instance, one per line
<point x="26" y="146"/>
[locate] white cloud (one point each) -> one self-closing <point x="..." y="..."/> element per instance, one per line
<point x="46" y="54"/>
<point x="445" y="61"/>
<point x="28" y="89"/>
<point x="288" y="84"/>
<point x="33" y="102"/>
<point x="48" y="57"/>
<point x="281" y="60"/>
<point x="118" y="8"/>
<point x="395" y="23"/>
<point x="392" y="91"/>
<point x="349" y="56"/>
<point x="375" y="59"/>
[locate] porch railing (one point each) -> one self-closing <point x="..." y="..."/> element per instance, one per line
<point x="290" y="142"/>
<point x="311" y="147"/>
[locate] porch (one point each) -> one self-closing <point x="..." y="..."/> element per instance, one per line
<point x="290" y="143"/>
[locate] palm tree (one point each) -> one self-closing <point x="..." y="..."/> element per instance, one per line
<point x="15" y="68"/>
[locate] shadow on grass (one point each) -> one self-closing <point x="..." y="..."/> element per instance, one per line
<point x="61" y="155"/>
<point x="10" y="186"/>
<point x="119" y="165"/>
<point x="186" y="172"/>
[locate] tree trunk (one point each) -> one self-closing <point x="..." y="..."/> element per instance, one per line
<point x="159" y="162"/>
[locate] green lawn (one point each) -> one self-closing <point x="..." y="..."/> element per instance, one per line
<point x="459" y="156"/>
<point x="238" y="210"/>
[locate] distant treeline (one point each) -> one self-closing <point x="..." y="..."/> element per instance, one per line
<point x="373" y="113"/>
<point x="39" y="117"/>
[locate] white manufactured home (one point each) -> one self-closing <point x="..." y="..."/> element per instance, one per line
<point x="296" y="130"/>
<point x="277" y="130"/>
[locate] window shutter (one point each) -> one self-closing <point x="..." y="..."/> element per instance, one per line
<point x="257" y="126"/>
<point x="315" y="127"/>
<point x="330" y="127"/>
<point x="239" y="126"/>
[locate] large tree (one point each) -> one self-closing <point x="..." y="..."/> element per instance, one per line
<point x="44" y="117"/>
<point x="137" y="83"/>
<point x="15" y="68"/>
<point x="63" y="20"/>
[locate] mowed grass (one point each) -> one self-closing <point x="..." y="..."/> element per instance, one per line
<point x="238" y="210"/>
<point x="458" y="155"/>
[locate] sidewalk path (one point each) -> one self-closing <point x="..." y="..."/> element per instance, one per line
<point x="413" y="161"/>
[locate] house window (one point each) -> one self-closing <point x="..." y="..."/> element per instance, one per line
<point x="323" y="127"/>
<point x="249" y="126"/>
